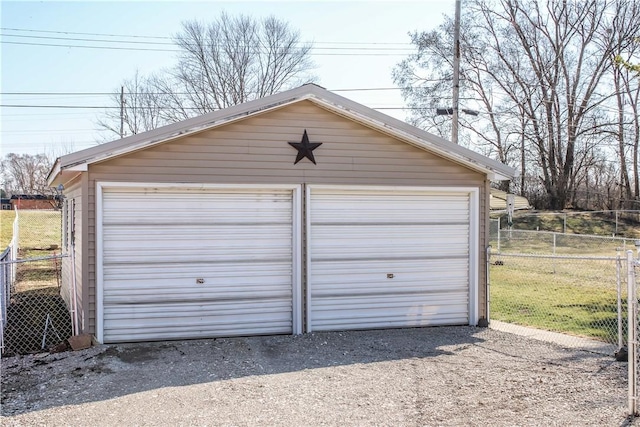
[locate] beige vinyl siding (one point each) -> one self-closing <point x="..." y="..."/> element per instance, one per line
<point x="255" y="150"/>
<point x="73" y="194"/>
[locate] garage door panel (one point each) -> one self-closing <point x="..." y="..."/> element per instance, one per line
<point x="410" y="207"/>
<point x="156" y="295"/>
<point x="383" y="258"/>
<point x="203" y="232"/>
<point x="355" y="313"/>
<point x="196" y="263"/>
<point x="178" y="330"/>
<point x="196" y="313"/>
<point x="166" y="244"/>
<point x="373" y="288"/>
<point x="227" y="323"/>
<point x="371" y="277"/>
<point x="353" y="271"/>
<point x="415" y="241"/>
<point x="118" y="258"/>
<point x="196" y="206"/>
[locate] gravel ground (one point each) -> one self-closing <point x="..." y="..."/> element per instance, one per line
<point x="460" y="376"/>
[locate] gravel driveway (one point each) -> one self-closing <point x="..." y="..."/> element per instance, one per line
<point x="424" y="376"/>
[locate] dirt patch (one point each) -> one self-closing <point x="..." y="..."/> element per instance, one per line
<point x="138" y="354"/>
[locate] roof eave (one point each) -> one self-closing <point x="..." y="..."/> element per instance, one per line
<point x="494" y="170"/>
<point x="177" y="130"/>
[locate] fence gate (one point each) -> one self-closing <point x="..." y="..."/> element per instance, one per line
<point x="34" y="316"/>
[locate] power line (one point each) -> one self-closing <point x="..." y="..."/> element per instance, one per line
<point x="140" y="49"/>
<point x="170" y="38"/>
<point x="84" y="34"/>
<point x="143" y="107"/>
<point x="90" y="47"/>
<point x="365" y="89"/>
<point x="301" y="44"/>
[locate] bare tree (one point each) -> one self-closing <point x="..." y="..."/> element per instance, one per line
<point x="540" y="71"/>
<point x="26" y="174"/>
<point x="140" y="108"/>
<point x="223" y="63"/>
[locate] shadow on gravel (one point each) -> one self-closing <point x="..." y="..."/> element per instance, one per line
<point x="39" y="382"/>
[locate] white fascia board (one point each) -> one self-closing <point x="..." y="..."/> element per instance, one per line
<point x="53" y="173"/>
<point x="81" y="167"/>
<point x="330" y="101"/>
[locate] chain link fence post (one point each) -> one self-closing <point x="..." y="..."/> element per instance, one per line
<point x="632" y="342"/>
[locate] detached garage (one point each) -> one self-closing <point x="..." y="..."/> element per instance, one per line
<point x="299" y="212"/>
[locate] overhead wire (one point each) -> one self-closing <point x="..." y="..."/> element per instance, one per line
<point x="175" y="50"/>
<point x="171" y="38"/>
<point x="301" y="44"/>
<point x="375" y="48"/>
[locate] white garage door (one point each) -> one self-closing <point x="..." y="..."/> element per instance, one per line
<point x="381" y="258"/>
<point x="193" y="263"/>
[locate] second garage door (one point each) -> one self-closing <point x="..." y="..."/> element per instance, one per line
<point x="195" y="262"/>
<point x="389" y="258"/>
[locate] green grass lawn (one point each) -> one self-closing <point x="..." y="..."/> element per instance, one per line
<point x="40" y="233"/>
<point x="6" y="228"/>
<point x="38" y="229"/>
<point x="577" y="297"/>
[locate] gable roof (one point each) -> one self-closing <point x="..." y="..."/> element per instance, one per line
<point x="69" y="165"/>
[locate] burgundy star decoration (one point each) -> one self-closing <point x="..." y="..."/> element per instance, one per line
<point x="305" y="148"/>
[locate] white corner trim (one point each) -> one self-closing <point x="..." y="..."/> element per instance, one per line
<point x="307" y="207"/>
<point x="474" y="240"/>
<point x="296" y="271"/>
<point x="99" y="266"/>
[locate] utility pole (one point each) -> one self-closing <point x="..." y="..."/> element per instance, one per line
<point x="456" y="73"/>
<point x="121" y="112"/>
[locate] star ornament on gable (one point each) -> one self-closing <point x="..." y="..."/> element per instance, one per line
<point x="305" y="148"/>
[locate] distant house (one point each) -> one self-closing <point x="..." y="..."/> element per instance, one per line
<point x="32" y="201"/>
<point x="6" y="204"/>
<point x="498" y="201"/>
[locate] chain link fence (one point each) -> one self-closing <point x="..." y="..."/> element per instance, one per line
<point x="570" y="284"/>
<point x="621" y="223"/>
<point x="36" y="316"/>
<point x="547" y="242"/>
<point x="580" y="297"/>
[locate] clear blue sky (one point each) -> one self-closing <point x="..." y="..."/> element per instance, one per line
<point x="29" y="68"/>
